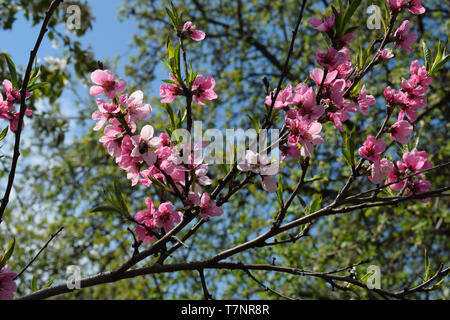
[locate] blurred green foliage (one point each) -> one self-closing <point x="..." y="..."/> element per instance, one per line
<point x="64" y="177"/>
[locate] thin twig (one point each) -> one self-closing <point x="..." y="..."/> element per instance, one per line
<point x="39" y="252"/>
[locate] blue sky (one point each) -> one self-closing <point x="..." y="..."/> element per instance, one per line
<point x="108" y="37"/>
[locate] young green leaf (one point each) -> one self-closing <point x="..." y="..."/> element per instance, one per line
<point x="37" y="86"/>
<point x="3" y="133"/>
<point x="34" y="287"/>
<point x="315" y="203"/>
<point x="8" y="254"/>
<point x="349" y="13"/>
<point x="12" y="70"/>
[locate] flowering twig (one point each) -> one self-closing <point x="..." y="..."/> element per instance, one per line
<point x="23" y="93"/>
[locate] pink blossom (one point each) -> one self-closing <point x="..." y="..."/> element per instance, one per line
<point x="269" y="183"/>
<point x="414" y="6"/>
<point x="396" y="5"/>
<point x="394" y="97"/>
<point x="403" y="38"/>
<point x="7" y="284"/>
<point x="169" y="91"/>
<point x="111" y="139"/>
<point x="394" y="176"/>
<point x="414" y="161"/>
<point x="380" y="170"/>
<point x="12" y="94"/>
<point x="305" y="99"/>
<point x="344" y="41"/>
<point x="344" y="68"/>
<point x="371" y="149"/>
<point x="126" y="160"/>
<point x="144" y="145"/>
<point x="400" y="130"/>
<point x="417" y="187"/>
<point x="260" y="164"/>
<point x="317" y="75"/>
<point x="293" y="151"/>
<point x="192" y="32"/>
<point x="385" y="54"/>
<point x="208" y="207"/>
<point x="419" y="78"/>
<point x="338" y="117"/>
<point x="104" y="112"/>
<point x="203" y="89"/>
<point x="325" y="25"/>
<point x="146" y="217"/>
<point x="283" y="99"/>
<point x="365" y="100"/>
<point x="106" y="83"/>
<point x="166" y="217"/>
<point x="331" y="58"/>
<point x="305" y="132"/>
<point x="136" y="110"/>
<point x="14" y="121"/>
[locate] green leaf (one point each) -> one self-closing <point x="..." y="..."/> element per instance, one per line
<point x="171" y="50"/>
<point x="8" y="254"/>
<point x="167" y="64"/>
<point x="119" y="197"/>
<point x="280" y="191"/>
<point x="3" y="133"/>
<point x="315" y="203"/>
<point x="171" y="113"/>
<point x="37" y="86"/>
<point x="337" y="16"/>
<point x="172" y="17"/>
<point x="366" y="276"/>
<point x="254" y="122"/>
<point x="12" y="70"/>
<point x="159" y="184"/>
<point x="427" y="266"/>
<point x="349" y="13"/>
<point x="426" y="55"/>
<point x="441" y="282"/>
<point x="303" y="202"/>
<point x="315" y="178"/>
<point x="34" y="287"/>
<point x="50" y="282"/>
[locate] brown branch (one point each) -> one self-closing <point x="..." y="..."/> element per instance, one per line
<point x="109" y="277"/>
<point x="206" y="293"/>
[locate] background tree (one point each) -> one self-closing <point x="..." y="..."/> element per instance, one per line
<point x="245" y="42"/>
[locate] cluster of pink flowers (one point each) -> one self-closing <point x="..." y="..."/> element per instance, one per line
<point x="327" y="25"/>
<point x="301" y="117"/>
<point x="260" y="164"/>
<point x="7" y="285"/>
<point x="414" y="6"/>
<point x="372" y="150"/>
<point x="202" y="89"/>
<point x="144" y="156"/>
<point x="412" y="94"/>
<point x="413" y="162"/>
<point x="304" y="114"/>
<point x="151" y="219"/>
<point x="7" y="107"/>
<point x="409" y="98"/>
